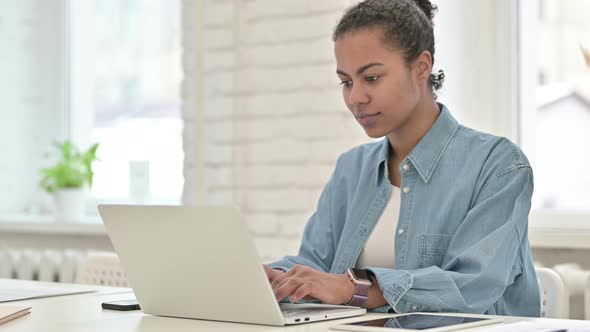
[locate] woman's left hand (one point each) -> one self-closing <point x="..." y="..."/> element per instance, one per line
<point x="303" y="282"/>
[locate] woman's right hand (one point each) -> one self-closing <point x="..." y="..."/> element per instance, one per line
<point x="271" y="274"/>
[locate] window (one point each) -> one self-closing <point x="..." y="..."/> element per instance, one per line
<point x="106" y="71"/>
<point x="125" y="95"/>
<point x="555" y="101"/>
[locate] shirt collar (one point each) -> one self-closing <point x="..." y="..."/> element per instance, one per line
<point x="427" y="153"/>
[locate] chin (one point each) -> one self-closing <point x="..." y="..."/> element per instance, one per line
<point x="375" y="132"/>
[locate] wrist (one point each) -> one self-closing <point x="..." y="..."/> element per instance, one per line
<point x="375" y="298"/>
<point x="349" y="289"/>
<point x="362" y="284"/>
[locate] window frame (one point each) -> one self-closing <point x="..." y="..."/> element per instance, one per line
<point x="79" y="96"/>
<point x="79" y="92"/>
<point x="548" y="228"/>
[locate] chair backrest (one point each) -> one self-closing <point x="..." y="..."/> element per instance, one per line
<point x="573" y="276"/>
<point x="102" y="268"/>
<point x="554" y="294"/>
<point x="575" y="279"/>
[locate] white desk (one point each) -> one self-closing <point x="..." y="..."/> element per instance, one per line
<point x="82" y="313"/>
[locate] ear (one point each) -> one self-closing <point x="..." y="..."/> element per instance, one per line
<point x="423" y="65"/>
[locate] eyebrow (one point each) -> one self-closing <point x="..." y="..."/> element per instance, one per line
<point x="361" y="69"/>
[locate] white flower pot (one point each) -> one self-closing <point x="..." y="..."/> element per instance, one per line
<point x="70" y="204"/>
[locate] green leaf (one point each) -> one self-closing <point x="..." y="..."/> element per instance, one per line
<point x="73" y="170"/>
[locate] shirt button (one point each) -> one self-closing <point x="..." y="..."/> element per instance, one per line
<point x="406" y="190"/>
<point x="400" y="232"/>
<point x="406" y="167"/>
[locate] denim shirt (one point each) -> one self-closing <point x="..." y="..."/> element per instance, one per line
<point x="461" y="243"/>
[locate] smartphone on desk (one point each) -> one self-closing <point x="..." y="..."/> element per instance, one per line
<point x="122" y="305"/>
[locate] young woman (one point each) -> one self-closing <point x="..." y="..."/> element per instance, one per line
<point x="434" y="216"/>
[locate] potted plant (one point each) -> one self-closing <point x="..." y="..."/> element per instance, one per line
<point x="69" y="179"/>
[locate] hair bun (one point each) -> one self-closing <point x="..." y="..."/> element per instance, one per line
<point x="427" y="7"/>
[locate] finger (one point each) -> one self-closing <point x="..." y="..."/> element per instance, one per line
<point x="280" y="283"/>
<point x="304" y="290"/>
<point x="299" y="271"/>
<point x="277" y="273"/>
<point x="268" y="271"/>
<point x="280" y="279"/>
<point x="288" y="288"/>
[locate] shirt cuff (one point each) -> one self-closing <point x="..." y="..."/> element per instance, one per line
<point x="394" y="284"/>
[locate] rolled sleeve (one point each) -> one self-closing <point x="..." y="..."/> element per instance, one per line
<point x="394" y="284"/>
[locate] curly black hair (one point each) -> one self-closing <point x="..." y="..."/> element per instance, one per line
<point x="407" y="26"/>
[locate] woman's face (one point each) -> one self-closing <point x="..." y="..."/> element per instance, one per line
<point x="378" y="87"/>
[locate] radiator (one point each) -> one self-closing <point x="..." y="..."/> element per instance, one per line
<point x="40" y="264"/>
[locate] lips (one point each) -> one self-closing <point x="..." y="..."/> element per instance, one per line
<point x="367" y="119"/>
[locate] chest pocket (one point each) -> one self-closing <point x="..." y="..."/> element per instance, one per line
<point x="433" y="248"/>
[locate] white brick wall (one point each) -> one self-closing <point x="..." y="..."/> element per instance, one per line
<point x="264" y="115"/>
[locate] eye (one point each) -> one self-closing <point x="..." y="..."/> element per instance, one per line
<point x="371" y="78"/>
<point x="346" y="84"/>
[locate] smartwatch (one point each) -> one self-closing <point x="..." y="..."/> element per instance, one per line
<point x="362" y="282"/>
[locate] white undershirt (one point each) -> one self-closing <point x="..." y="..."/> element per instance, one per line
<point x="380" y="248"/>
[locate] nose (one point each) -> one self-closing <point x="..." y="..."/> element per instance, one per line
<point x="358" y="95"/>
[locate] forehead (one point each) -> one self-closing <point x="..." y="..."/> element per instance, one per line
<point x="357" y="48"/>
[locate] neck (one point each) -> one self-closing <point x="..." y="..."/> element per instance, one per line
<point x="405" y="138"/>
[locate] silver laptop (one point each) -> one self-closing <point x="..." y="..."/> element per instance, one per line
<point x="199" y="262"/>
